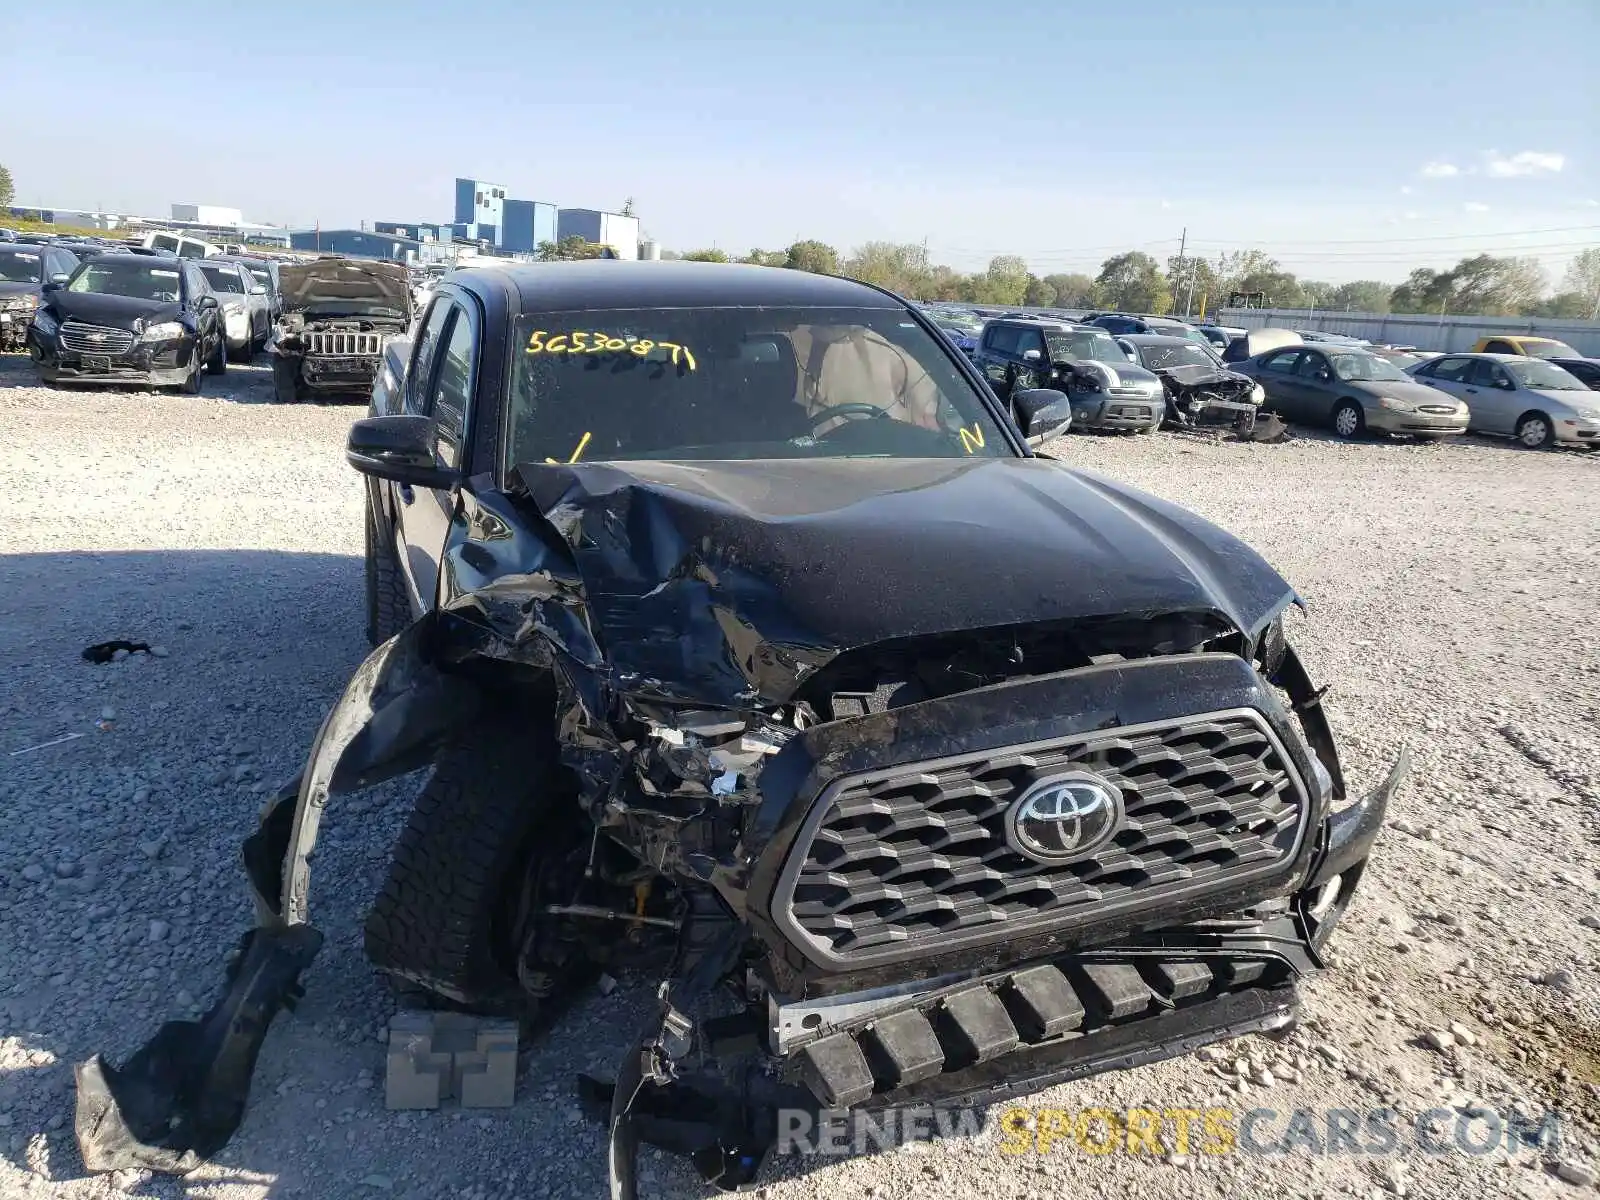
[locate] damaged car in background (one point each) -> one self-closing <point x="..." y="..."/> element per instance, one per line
<point x="24" y="271"/>
<point x="750" y="645"/>
<point x="1106" y="389"/>
<point x="1200" y="391"/>
<point x="337" y="316"/>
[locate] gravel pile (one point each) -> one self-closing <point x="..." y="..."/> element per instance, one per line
<point x="1452" y="590"/>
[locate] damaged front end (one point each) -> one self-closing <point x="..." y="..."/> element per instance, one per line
<point x="899" y="832"/>
<point x="1200" y="396"/>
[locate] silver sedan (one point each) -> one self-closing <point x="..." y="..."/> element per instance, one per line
<point x="246" y="307"/>
<point x="1530" y="399"/>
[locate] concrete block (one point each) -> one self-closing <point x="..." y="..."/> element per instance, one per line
<point x="436" y="1055"/>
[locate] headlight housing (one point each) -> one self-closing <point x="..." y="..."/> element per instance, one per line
<point x="1258" y="394"/>
<point x="1394" y="405"/>
<point x="24" y="303"/>
<point x="233" y="308"/>
<point x="163" y="331"/>
<point x="1588" y="414"/>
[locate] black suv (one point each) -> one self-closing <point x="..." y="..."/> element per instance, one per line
<point x="750" y="645"/>
<point x="129" y="318"/>
<point x="1107" y="389"/>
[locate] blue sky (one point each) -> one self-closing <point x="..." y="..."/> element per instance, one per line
<point x="1350" y="140"/>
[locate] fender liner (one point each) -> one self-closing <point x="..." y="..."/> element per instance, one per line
<point x="181" y="1097"/>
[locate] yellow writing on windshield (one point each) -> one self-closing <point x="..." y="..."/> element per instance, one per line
<point x="971" y="439"/>
<point x="584" y="341"/>
<point x="583" y="443"/>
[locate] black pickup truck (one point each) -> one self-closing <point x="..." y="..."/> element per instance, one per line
<point x="750" y="643"/>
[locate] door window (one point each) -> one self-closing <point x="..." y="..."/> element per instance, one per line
<point x="1499" y="347"/>
<point x="452" y="390"/>
<point x="1281" y="363"/>
<point x="1451" y="370"/>
<point x="1314" y="367"/>
<point x="1002" y="339"/>
<point x="1030" y="339"/>
<point x="1490" y="374"/>
<point x="422" y="357"/>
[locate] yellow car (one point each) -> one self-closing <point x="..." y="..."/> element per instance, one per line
<point x="1516" y="343"/>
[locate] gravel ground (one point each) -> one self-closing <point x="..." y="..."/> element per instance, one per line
<point x="1452" y="596"/>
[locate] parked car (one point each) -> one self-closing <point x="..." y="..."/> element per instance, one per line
<point x="245" y="307"/>
<point x="1107" y="389"/>
<point x="130" y="318"/>
<point x="181" y="245"/>
<point x="1585" y="370"/>
<point x="1342" y="339"/>
<point x="24" y="271"/>
<point x="751" y="647"/>
<point x="1529" y="399"/>
<point x="1199" y="389"/>
<point x="1405" y="359"/>
<point x="1220" y="335"/>
<point x="265" y="272"/>
<point x="1523" y="345"/>
<point x="1351" y="391"/>
<point x="1126" y="323"/>
<point x="339" y="314"/>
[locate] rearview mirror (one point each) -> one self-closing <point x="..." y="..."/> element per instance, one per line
<point x="399" y="448"/>
<point x="1043" y="413"/>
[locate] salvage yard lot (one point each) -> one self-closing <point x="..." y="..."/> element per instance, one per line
<point x="1453" y="594"/>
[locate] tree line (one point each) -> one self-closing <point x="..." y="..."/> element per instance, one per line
<point x="1133" y="281"/>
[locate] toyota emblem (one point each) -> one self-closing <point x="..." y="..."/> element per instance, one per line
<point x="1064" y="817"/>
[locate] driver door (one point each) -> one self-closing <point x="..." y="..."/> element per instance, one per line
<point x="1492" y="396"/>
<point x="1032" y="360"/>
<point x="422" y="516"/>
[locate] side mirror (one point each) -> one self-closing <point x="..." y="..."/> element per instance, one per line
<point x="51" y="285"/>
<point x="258" y="290"/>
<point x="1043" y="413"/>
<point x="398" y="448"/>
<point x="1031" y="356"/>
<point x="206" y="302"/>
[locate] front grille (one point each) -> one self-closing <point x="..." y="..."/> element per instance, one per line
<point x="1142" y="393"/>
<point x="95" y="339"/>
<point x="1447" y="410"/>
<point x="343" y="342"/>
<point x="894" y="860"/>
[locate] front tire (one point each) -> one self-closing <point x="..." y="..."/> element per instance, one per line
<point x="439" y="923"/>
<point x="218" y="362"/>
<point x="1535" y="431"/>
<point x="1349" y="422"/>
<point x="191" y="385"/>
<point x="388" y="606"/>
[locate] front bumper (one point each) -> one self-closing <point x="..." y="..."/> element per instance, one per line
<point x="1579" y="432"/>
<point x="156" y="364"/>
<point x="1387" y="420"/>
<point x="1119" y="413"/>
<point x="320" y="374"/>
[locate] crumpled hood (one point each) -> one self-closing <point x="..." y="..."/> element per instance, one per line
<point x="1128" y="374"/>
<point x="9" y="288"/>
<point x="328" y="282"/>
<point x="114" y="312"/>
<point x="729" y="581"/>
<point x="1201" y="377"/>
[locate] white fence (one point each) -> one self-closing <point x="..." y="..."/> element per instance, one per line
<point x="1416" y="329"/>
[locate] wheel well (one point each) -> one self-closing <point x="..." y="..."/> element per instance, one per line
<point x="1532" y="412"/>
<point x="1361" y="410"/>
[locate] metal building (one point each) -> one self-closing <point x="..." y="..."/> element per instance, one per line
<point x="603" y="228"/>
<point x="358" y="243"/>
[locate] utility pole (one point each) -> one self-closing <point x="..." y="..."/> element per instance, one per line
<point x="1183" y="241"/>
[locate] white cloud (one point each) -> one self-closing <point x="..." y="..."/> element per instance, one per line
<point x="1439" y="170"/>
<point x="1166" y="204"/>
<point x="1411" y="216"/>
<point x="1474" y="206"/>
<point x="1524" y="162"/>
<point x="1591" y="203"/>
<point x="1406" y="190"/>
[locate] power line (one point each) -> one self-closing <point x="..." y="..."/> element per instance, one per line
<point x="1437" y="237"/>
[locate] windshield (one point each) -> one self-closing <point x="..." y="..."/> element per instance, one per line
<point x="135" y="280"/>
<point x="224" y="279"/>
<point x="960" y="321"/>
<point x="1403" y="360"/>
<point x="1357" y="367"/>
<point x="1160" y="358"/>
<point x="1069" y="344"/>
<point x="1535" y="373"/>
<point x="1539" y="348"/>
<point x="709" y="383"/>
<point x="20" y="266"/>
